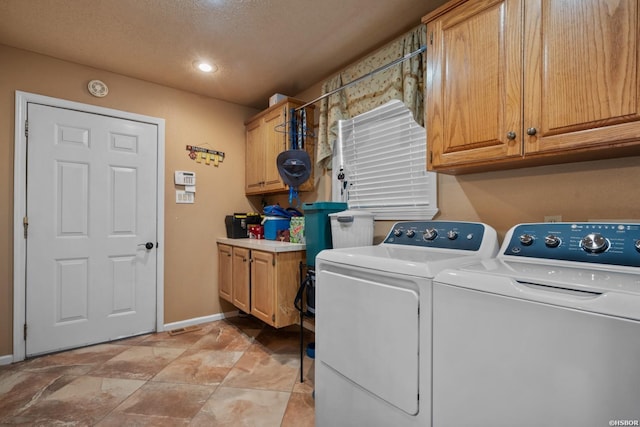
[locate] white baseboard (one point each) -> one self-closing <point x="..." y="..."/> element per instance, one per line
<point x="199" y="320"/>
<point x="6" y="360"/>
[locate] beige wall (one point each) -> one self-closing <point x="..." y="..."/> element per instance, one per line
<point x="190" y="230"/>
<point x="596" y="190"/>
<point x="606" y="189"/>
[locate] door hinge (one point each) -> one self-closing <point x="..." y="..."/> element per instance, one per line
<point x="25" y="331"/>
<point x="273" y="317"/>
<point x="273" y="262"/>
<point x="25" y="224"/>
<point x="26" y="128"/>
<point x="430" y="156"/>
<point x="431" y="38"/>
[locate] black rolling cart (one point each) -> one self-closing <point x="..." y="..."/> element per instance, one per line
<point x="317" y="231"/>
<point x="305" y="304"/>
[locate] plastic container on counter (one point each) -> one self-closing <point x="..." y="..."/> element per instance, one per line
<point x="351" y="228"/>
<point x="272" y="225"/>
<point x="317" y="227"/>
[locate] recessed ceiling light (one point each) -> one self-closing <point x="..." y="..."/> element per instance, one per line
<point x="204" y="67"/>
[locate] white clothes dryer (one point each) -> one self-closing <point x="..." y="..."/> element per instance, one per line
<point x="373" y="322"/>
<point x="546" y="334"/>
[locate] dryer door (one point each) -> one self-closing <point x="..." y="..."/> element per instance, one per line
<point x="367" y="329"/>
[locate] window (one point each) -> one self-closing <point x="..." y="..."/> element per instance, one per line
<point x="382" y="157"/>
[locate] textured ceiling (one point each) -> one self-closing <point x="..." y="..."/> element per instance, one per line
<point x="261" y="47"/>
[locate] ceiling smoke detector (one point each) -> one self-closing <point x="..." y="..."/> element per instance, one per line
<point x="98" y="88"/>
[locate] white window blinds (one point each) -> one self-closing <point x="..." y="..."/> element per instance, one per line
<point x="382" y="154"/>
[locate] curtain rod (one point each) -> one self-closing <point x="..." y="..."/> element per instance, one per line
<point x="377" y="70"/>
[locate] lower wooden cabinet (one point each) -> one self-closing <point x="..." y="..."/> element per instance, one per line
<point x="263" y="291"/>
<point x="261" y="283"/>
<point x="225" y="268"/>
<point x="240" y="279"/>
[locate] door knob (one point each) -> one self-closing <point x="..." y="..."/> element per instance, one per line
<point x="147" y="245"/>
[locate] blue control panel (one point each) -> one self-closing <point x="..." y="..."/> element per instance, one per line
<point x="602" y="243"/>
<point x="437" y="234"/>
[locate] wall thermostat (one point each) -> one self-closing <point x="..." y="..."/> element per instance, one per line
<point x="185" y="178"/>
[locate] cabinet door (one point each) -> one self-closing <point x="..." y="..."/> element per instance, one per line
<point x="263" y="286"/>
<point x="225" y="272"/>
<point x="267" y="137"/>
<point x="288" y="276"/>
<point x="582" y="76"/>
<point x="241" y="285"/>
<point x="275" y="142"/>
<point x="254" y="155"/>
<point x="474" y="83"/>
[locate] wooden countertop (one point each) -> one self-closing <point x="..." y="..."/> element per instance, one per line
<point x="263" y="244"/>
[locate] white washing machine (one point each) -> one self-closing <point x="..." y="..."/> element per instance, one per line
<point x="373" y="322"/>
<point x="545" y="334"/>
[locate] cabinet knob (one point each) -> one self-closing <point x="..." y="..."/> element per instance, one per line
<point x="511" y="135"/>
<point x="531" y="131"/>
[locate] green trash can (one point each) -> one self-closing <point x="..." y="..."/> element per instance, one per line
<point x="317" y="227"/>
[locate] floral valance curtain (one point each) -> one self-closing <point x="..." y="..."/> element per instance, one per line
<point x="404" y="81"/>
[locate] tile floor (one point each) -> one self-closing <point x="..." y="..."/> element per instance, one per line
<point x="233" y="372"/>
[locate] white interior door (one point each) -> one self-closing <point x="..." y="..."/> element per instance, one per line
<point x="91" y="207"/>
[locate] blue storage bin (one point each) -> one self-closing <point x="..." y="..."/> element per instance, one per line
<point x="273" y="225"/>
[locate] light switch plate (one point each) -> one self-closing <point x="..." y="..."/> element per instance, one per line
<point x="185" y="197"/>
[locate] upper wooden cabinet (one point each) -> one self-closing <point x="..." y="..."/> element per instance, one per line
<point x="520" y="83"/>
<point x="582" y="83"/>
<point x="267" y="136"/>
<point x="474" y="83"/>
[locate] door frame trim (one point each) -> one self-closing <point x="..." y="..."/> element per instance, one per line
<point x="20" y="199"/>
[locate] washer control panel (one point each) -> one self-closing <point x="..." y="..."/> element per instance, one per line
<point x="602" y="243"/>
<point x="437" y="234"/>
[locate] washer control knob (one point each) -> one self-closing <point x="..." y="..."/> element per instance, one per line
<point x="552" y="241"/>
<point x="452" y="235"/>
<point x="411" y="233"/>
<point x="637" y="245"/>
<point x="397" y="232"/>
<point x="594" y="243"/>
<point x="526" y="239"/>
<point x="430" y="234"/>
